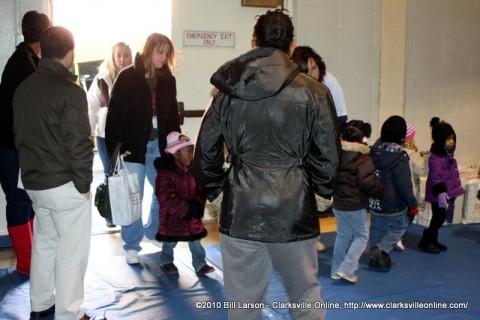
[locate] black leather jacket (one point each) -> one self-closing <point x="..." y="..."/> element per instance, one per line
<point x="278" y="127"/>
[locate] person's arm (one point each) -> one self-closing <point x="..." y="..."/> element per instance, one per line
<point x="209" y="150"/>
<point x="436" y="176"/>
<point x="78" y="145"/>
<point x="94" y="98"/>
<point x="368" y="180"/>
<point x="337" y="94"/>
<point x="323" y="158"/>
<point x="168" y="116"/>
<point x="117" y="113"/>
<point x="403" y="183"/>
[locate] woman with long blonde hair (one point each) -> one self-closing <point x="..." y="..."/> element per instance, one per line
<point x="98" y="97"/>
<point x="142" y="111"/>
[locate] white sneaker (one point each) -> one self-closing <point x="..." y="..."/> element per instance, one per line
<point x="132" y="257"/>
<point x="399" y="246"/>
<point x="335" y="276"/>
<point x="343" y="275"/>
<point x="320" y="246"/>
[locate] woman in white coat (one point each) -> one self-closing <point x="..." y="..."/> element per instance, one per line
<point x="98" y="97"/>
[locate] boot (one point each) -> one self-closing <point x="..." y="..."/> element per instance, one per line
<point x="439" y="246"/>
<point x="427" y="243"/>
<point x="21" y="237"/>
<point x="379" y="258"/>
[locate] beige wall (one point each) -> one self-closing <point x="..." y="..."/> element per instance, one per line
<point x="443" y="71"/>
<point x="347" y="36"/>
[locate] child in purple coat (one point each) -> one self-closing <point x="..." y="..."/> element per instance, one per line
<point x="181" y="205"/>
<point x="443" y="184"/>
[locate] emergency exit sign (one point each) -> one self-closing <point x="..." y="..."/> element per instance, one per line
<point x="208" y="39"/>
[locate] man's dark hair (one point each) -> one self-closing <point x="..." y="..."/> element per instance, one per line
<point x="274" y="29"/>
<point x="56" y="42"/>
<point x="33" y="24"/>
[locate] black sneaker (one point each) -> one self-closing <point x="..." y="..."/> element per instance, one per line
<point x="42" y="314"/>
<point x="380" y="257"/>
<point x="169" y="268"/>
<point x="110" y="223"/>
<point x="205" y="269"/>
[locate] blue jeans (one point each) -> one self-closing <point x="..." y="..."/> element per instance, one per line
<point x="351" y="240"/>
<point x="153" y="222"/>
<point x="198" y="254"/>
<point x="133" y="234"/>
<point x="387" y="230"/>
<point x="103" y="153"/>
<point x="19" y="206"/>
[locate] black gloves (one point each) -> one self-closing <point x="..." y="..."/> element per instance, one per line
<point x="195" y="209"/>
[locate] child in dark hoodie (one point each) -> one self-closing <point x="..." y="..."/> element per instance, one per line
<point x="443" y="184"/>
<point x="356" y="182"/>
<point x="389" y="216"/>
<point x="181" y="205"/>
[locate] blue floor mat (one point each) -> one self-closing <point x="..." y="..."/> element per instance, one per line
<point x="419" y="285"/>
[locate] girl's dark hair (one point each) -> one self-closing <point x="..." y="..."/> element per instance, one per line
<point x="352" y="134"/>
<point x="300" y="56"/>
<point x="274" y="29"/>
<point x="361" y="128"/>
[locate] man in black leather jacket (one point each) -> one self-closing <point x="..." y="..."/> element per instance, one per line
<point x="278" y="128"/>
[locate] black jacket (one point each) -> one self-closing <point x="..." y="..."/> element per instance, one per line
<point x="278" y="127"/>
<point x="130" y="111"/>
<point x="21" y="64"/>
<point x="357" y="180"/>
<point x="52" y="129"/>
<point x="393" y="169"/>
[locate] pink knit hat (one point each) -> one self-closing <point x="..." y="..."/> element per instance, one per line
<point x="410" y="132"/>
<point x="177" y="141"/>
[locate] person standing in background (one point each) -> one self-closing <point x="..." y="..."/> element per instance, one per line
<point x="443" y="184"/>
<point x="98" y="96"/>
<point x="278" y="126"/>
<point x="19" y="211"/>
<point x="52" y="135"/>
<point x="418" y="167"/>
<point x="356" y="183"/>
<point x="311" y="63"/>
<point x="142" y="111"/>
<point x="182" y="204"/>
<point x="390" y="214"/>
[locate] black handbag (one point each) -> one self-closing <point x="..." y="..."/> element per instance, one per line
<point x="102" y="198"/>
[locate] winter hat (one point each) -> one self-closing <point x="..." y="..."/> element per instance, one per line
<point x="410" y="132"/>
<point x="177" y="141"/>
<point x="394" y="129"/>
<point x="440" y="133"/>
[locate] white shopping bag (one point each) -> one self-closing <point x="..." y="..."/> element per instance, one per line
<point x="125" y="198"/>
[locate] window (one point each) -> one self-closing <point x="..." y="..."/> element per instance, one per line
<point x="98" y="24"/>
